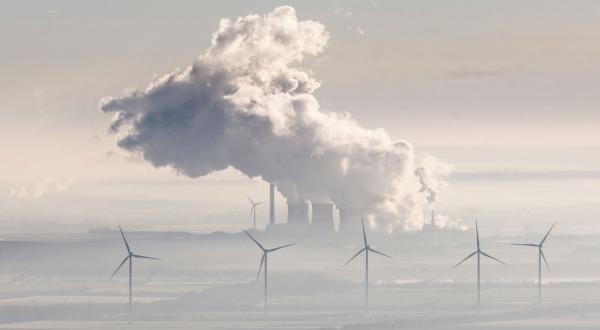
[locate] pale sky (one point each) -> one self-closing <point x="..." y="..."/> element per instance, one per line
<point x="489" y="86"/>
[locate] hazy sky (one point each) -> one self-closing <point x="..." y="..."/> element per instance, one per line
<point x="490" y="86"/>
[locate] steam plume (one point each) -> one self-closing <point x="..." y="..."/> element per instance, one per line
<point x="246" y="103"/>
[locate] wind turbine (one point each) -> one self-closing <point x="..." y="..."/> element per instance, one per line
<point x="540" y="256"/>
<point x="366" y="250"/>
<point x="263" y="260"/>
<point x="253" y="210"/>
<point x="479" y="253"/>
<point x="130" y="256"/>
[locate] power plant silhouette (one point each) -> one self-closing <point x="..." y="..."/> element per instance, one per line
<point x="318" y="216"/>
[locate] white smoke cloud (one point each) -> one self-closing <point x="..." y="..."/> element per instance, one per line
<point x="445" y="221"/>
<point x="433" y="175"/>
<point x="342" y="11"/>
<point x="246" y="103"/>
<point x="39" y="189"/>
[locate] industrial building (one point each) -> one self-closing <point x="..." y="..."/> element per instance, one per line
<point x="313" y="215"/>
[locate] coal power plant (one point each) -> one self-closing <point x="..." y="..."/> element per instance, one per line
<point x="307" y="214"/>
<point x="323" y="216"/>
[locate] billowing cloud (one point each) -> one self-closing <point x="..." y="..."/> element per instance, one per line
<point x="247" y="103"/>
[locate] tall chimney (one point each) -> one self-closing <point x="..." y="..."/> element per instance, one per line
<point x="272" y="204"/>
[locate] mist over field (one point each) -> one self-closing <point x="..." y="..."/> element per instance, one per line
<point x="209" y="282"/>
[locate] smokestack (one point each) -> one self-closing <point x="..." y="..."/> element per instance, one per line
<point x="322" y="217"/>
<point x="272" y="204"/>
<point x="298" y="213"/>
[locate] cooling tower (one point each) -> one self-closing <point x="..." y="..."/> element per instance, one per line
<point x="343" y="219"/>
<point x="298" y="213"/>
<point x="322" y="216"/>
<point x="349" y="221"/>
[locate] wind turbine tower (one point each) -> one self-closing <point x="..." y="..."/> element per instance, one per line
<point x="366" y="249"/>
<point x="263" y="260"/>
<point x="541" y="256"/>
<point x="129" y="257"/>
<point x="479" y="253"/>
<point x="253" y="209"/>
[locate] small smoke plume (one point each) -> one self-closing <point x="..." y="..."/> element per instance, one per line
<point x="433" y="175"/>
<point x="445" y="221"/>
<point x="39" y="189"/>
<point x="246" y="103"/>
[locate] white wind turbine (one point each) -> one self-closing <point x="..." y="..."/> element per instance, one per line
<point x="540" y="257"/>
<point x="366" y="249"/>
<point x="263" y="260"/>
<point x="130" y="256"/>
<point x="479" y="253"/>
<point x="253" y="209"/>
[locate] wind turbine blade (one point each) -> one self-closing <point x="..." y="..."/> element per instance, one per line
<point x="489" y="256"/>
<point x="124" y="239"/>
<point x="545" y="261"/>
<point x="524" y="244"/>
<point x="357" y="253"/>
<point x="477" y="234"/>
<point x="465" y="259"/>
<point x="548" y="233"/>
<point x="144" y="257"/>
<point x="251" y="209"/>
<point x="383" y="254"/>
<point x="262" y="259"/>
<point x="250" y="199"/>
<point x="281" y="247"/>
<point x="255" y="204"/>
<point x="255" y="241"/>
<point x="364" y="233"/>
<point x="120" y="265"/>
